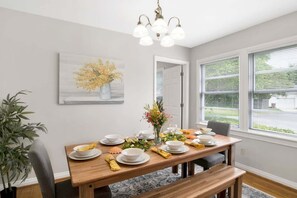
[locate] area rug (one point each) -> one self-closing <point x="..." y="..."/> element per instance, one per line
<point x="148" y="182"/>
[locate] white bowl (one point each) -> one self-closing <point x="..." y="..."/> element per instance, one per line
<point x="205" y="130"/>
<point x="131" y="154"/>
<point x="174" y="145"/>
<point x="112" y="137"/>
<point x="205" y="138"/>
<point x="146" y="133"/>
<point x="82" y="153"/>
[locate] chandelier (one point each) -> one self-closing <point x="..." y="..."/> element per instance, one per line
<point x="159" y="28"/>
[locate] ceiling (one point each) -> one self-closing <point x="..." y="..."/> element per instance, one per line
<point x="202" y="21"/>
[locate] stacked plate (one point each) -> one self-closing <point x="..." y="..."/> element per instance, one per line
<point x="180" y="150"/>
<point x="112" y="139"/>
<point x="209" y="143"/>
<point x="94" y="153"/>
<point x="143" y="158"/>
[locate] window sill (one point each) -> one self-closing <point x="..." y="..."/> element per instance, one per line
<point x="284" y="140"/>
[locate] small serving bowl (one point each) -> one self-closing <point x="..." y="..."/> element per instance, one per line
<point x="131" y="154"/>
<point x="174" y="145"/>
<point x="146" y="134"/>
<point x="80" y="151"/>
<point x="205" y="130"/>
<point x="112" y="137"/>
<point x="205" y="138"/>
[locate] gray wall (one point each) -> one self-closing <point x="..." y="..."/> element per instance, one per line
<point x="260" y="154"/>
<point x="29" y="47"/>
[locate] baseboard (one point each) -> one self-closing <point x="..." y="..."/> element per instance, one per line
<point x="33" y="180"/>
<point x="266" y="175"/>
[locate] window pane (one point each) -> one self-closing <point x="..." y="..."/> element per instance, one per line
<point x="274" y="95"/>
<point x="220" y="85"/>
<point x="222" y="67"/>
<point x="222" y="108"/>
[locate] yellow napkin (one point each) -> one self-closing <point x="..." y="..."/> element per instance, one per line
<point x="112" y="163"/>
<point x="196" y="145"/>
<point x="88" y="147"/>
<point x="161" y="152"/>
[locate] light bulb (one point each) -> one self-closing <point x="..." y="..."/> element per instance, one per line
<point x="167" y="41"/>
<point x="160" y="26"/>
<point x="140" y="31"/>
<point x="177" y="33"/>
<point x="146" y="41"/>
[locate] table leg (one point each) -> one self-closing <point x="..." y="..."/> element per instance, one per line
<point x="86" y="191"/>
<point x="184" y="171"/>
<point x="175" y="169"/>
<point x="231" y="155"/>
<point x="191" y="168"/>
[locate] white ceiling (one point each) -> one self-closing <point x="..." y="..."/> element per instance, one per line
<point x="202" y="20"/>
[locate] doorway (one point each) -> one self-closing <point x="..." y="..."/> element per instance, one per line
<point x="171" y="84"/>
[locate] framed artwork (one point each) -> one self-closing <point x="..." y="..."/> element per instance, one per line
<point x="90" y="80"/>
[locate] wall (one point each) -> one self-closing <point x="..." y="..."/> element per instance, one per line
<point x="267" y="156"/>
<point x="29" y="47"/>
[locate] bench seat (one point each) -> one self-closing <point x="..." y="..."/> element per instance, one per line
<point x="204" y="184"/>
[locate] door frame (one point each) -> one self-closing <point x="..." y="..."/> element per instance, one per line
<point x="185" y="84"/>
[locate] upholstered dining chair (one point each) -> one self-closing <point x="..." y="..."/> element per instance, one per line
<point x="209" y="161"/>
<point x="43" y="169"/>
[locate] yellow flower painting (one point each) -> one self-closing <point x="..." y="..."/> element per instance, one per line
<point x="90" y="80"/>
<point x="96" y="74"/>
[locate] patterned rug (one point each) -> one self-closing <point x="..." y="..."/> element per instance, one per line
<point x="148" y="182"/>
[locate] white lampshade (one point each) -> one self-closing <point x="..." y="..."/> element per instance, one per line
<point x="178" y="33"/>
<point x="146" y="41"/>
<point x="140" y="31"/>
<point x="160" y="26"/>
<point x="167" y="41"/>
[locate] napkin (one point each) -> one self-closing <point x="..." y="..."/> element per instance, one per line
<point x="88" y="147"/>
<point x="195" y="144"/>
<point x="161" y="152"/>
<point x="112" y="163"/>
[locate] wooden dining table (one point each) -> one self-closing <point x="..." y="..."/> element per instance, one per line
<point x="95" y="173"/>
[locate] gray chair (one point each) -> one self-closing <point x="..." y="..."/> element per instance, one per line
<point x="43" y="169"/>
<point x="209" y="161"/>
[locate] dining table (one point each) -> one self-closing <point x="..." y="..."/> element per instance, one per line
<point x="96" y="172"/>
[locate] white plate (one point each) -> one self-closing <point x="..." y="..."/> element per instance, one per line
<point x="183" y="149"/>
<point x="139" y="159"/>
<point x="210" y="143"/>
<point x="209" y="133"/>
<point x="151" y="137"/>
<point x="73" y="156"/>
<point x="175" y="132"/>
<point x="93" y="152"/>
<point x="120" y="159"/>
<point x="106" y="142"/>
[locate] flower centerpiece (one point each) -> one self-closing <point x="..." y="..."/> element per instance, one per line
<point x="156" y="116"/>
<point x="96" y="75"/>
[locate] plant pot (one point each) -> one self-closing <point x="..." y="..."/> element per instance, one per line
<point x="6" y="193"/>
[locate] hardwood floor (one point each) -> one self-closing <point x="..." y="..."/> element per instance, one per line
<point x="263" y="184"/>
<point x="273" y="188"/>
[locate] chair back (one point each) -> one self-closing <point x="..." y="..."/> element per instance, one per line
<point x="219" y="127"/>
<point x="43" y="169"/>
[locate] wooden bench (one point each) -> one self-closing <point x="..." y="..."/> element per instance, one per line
<point x="204" y="184"/>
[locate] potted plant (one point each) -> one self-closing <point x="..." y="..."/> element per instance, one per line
<point x="16" y="136"/>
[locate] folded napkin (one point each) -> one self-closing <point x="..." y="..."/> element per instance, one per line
<point x="161" y="152"/>
<point x="195" y="144"/>
<point x="112" y="163"/>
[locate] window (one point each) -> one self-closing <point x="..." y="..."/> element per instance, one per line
<point x="273" y="95"/>
<point x="220" y="91"/>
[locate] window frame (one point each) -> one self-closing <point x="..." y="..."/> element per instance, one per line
<point x="201" y="80"/>
<point x="252" y="86"/>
